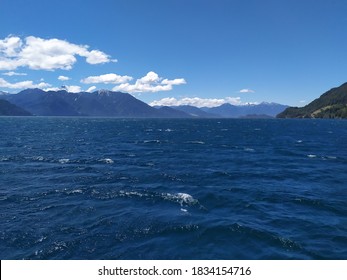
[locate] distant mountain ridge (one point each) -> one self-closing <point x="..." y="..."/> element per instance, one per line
<point x="193" y="111"/>
<point x="99" y="103"/>
<point x="104" y="103"/>
<point x="331" y="104"/>
<point x="9" y="109"/>
<point x="262" y="110"/>
<point x="233" y="111"/>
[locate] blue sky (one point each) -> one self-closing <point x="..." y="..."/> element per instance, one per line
<point x="195" y="52"/>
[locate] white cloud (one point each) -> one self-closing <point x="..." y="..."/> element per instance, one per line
<point x="151" y="77"/>
<point x="10" y="46"/>
<point x="91" y="89"/>
<point x="149" y="83"/>
<point x="22" y="85"/>
<point x="45" y="54"/>
<point x="173" y="82"/>
<point x="11" y="73"/>
<point x="196" y="101"/>
<point x="52" y="89"/>
<point x="106" y="79"/>
<point x="246" y="90"/>
<point x="73" y="89"/>
<point x="97" y="57"/>
<point x="63" y="78"/>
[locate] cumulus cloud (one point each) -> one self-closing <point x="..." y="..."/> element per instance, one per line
<point x="63" y="78"/>
<point x="73" y="89"/>
<point x="45" y="54"/>
<point x="91" y="89"/>
<point x="52" y="89"/>
<point x="11" y="73"/>
<point x="22" y="85"/>
<point x="97" y="57"/>
<point x="10" y="46"/>
<point x="149" y="83"/>
<point x="106" y="79"/>
<point x="196" y="101"/>
<point x="246" y="90"/>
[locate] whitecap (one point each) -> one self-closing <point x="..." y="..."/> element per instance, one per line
<point x="328" y="157"/>
<point x="77" y="191"/>
<point x="39" y="158"/>
<point x="311" y="156"/>
<point x="187" y="198"/>
<point x="107" y="160"/>
<point x="181" y="198"/>
<point x="196" y="142"/>
<point x="131" y="155"/>
<point x="151" y="141"/>
<point x="74" y="191"/>
<point x="41" y="239"/>
<point x="132" y="193"/>
<point x="249" y="150"/>
<point x="64" y="160"/>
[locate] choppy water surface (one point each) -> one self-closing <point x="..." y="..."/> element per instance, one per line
<point x="84" y="188"/>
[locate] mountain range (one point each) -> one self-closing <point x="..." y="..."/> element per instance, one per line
<point x="9" y="109"/>
<point x="106" y="103"/>
<point x="331" y="104"/>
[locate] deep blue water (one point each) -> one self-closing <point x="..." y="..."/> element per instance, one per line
<point x="94" y="188"/>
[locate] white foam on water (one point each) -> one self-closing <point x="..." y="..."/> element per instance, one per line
<point x="196" y="142"/>
<point x="249" y="150"/>
<point x="187" y="198"/>
<point x="151" y="141"/>
<point x="329" y="157"/>
<point x="132" y="193"/>
<point x="77" y="191"/>
<point x="64" y="160"/>
<point x="131" y="155"/>
<point x="39" y="158"/>
<point x="41" y="239"/>
<point x="299" y="141"/>
<point x="181" y="198"/>
<point x="311" y="156"/>
<point x="74" y="191"/>
<point x="107" y="160"/>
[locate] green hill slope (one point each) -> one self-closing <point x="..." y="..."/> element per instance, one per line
<point x="332" y="104"/>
